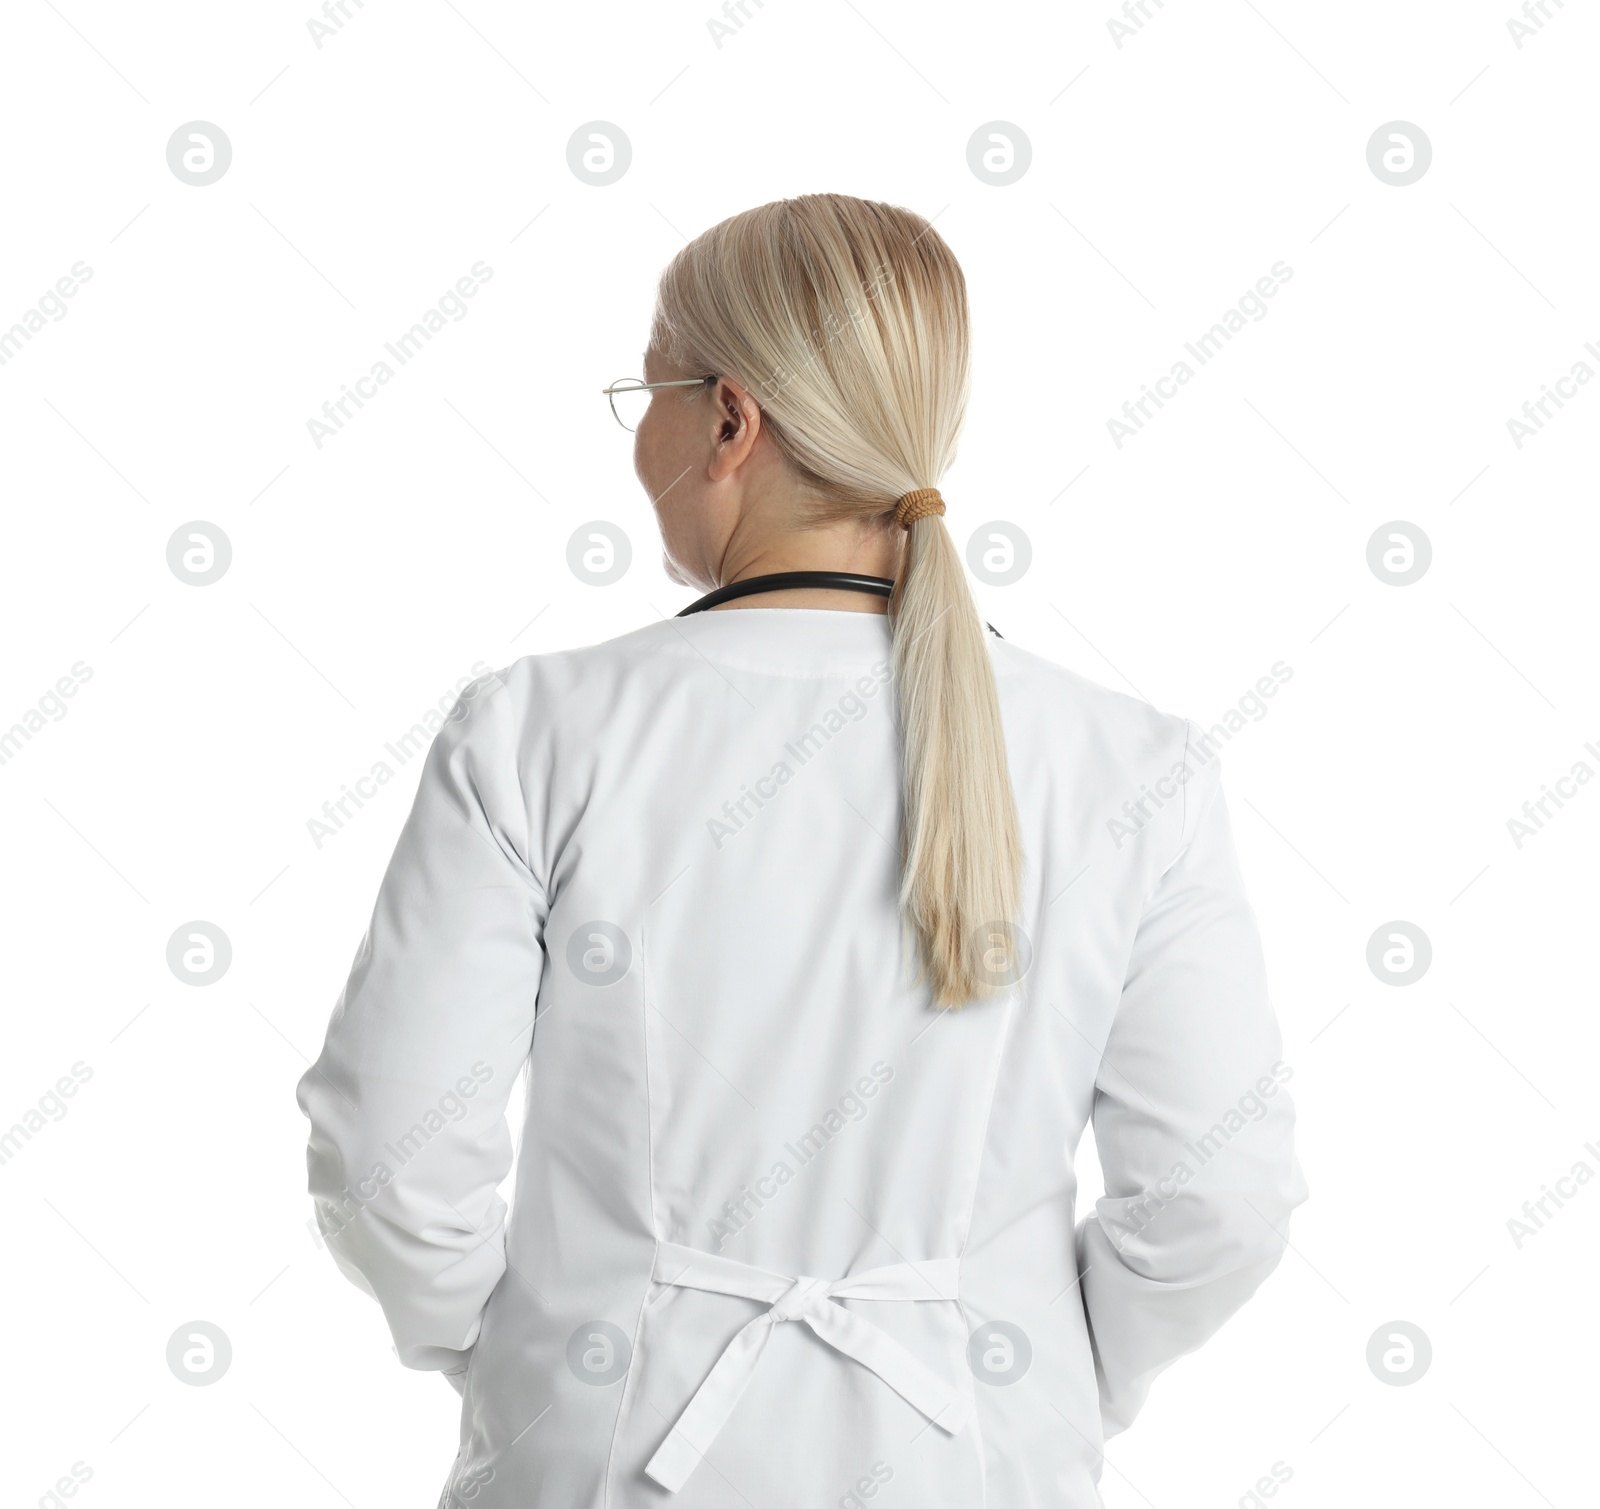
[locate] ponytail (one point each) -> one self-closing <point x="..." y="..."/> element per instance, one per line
<point x="847" y="319"/>
<point x="961" y="852"/>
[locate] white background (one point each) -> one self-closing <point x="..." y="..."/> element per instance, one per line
<point x="368" y="575"/>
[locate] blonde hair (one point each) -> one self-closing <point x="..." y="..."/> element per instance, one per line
<point x="846" y="320"/>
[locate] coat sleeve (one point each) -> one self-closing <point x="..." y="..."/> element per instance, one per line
<point x="407" y="1101"/>
<point x="1191" y="1119"/>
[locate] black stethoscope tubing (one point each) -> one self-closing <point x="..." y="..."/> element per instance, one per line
<point x="782" y="581"/>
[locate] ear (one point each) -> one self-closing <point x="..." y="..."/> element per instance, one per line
<point x="736" y="419"/>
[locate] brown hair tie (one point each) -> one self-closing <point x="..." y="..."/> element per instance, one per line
<point x="917" y="505"/>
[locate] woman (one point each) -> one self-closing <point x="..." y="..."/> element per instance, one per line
<point x="822" y="924"/>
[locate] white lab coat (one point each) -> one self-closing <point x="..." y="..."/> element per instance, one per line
<point x="781" y="1234"/>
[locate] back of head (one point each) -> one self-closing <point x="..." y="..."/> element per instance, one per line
<point x="847" y="322"/>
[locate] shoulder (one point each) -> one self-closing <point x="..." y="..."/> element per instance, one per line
<point x="1138" y="759"/>
<point x="573" y="667"/>
<point x="541" y="708"/>
<point x="1117" y="722"/>
<point x="515" y="735"/>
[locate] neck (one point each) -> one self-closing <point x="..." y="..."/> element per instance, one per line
<point x="860" y="553"/>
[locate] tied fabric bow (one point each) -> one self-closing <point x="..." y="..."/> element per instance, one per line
<point x="810" y="1300"/>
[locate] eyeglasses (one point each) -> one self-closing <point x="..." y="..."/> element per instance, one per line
<point x="630" y="397"/>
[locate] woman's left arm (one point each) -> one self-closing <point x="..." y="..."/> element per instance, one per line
<point x="407" y="1102"/>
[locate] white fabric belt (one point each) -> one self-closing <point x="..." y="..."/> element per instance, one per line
<point x="810" y="1300"/>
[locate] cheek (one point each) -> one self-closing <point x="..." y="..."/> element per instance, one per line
<point x="662" y="452"/>
<point x="677" y="520"/>
<point x="650" y="456"/>
<point x="652" y="465"/>
<point x="680" y="512"/>
<point x="669" y="463"/>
